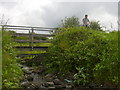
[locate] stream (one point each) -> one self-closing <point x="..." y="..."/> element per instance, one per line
<point x="35" y="78"/>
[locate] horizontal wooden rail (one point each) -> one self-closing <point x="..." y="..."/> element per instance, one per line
<point x="28" y="41"/>
<point x="40" y="54"/>
<point x="29" y="48"/>
<point x="34" y="35"/>
<point x="23" y="55"/>
<point x="27" y="27"/>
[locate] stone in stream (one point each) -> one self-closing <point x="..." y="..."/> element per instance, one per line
<point x="30" y="86"/>
<point x="26" y="70"/>
<point x="33" y="87"/>
<point x="47" y="84"/>
<point x="51" y="88"/>
<point x="25" y="84"/>
<point x="29" y="78"/>
<point x="57" y="82"/>
<point x="21" y="66"/>
<point x="68" y="86"/>
<point x="60" y="86"/>
<point x="50" y="83"/>
<point x="49" y="75"/>
<point x="41" y="70"/>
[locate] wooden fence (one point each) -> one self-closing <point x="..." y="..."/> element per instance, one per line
<point x="31" y="34"/>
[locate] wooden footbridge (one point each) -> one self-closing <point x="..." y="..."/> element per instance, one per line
<point x="31" y="33"/>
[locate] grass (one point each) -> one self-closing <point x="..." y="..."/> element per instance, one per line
<point x="0" y="59"/>
<point x="11" y="72"/>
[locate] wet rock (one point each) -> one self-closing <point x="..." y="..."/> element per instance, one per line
<point x="50" y="83"/>
<point x="29" y="85"/>
<point x="29" y="78"/>
<point x="25" y="84"/>
<point x="51" y="88"/>
<point x="21" y="66"/>
<point x="49" y="75"/>
<point x="35" y="71"/>
<point x="57" y="82"/>
<point x="41" y="70"/>
<point x="55" y="77"/>
<point x="33" y="87"/>
<point x="26" y="70"/>
<point x="60" y="86"/>
<point x="45" y="85"/>
<point x="68" y="86"/>
<point x="48" y="79"/>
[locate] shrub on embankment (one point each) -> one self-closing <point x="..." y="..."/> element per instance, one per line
<point x="88" y="55"/>
<point x="11" y="72"/>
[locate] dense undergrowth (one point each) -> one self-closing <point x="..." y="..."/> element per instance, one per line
<point x="11" y="72"/>
<point x="89" y="56"/>
<point x="0" y="60"/>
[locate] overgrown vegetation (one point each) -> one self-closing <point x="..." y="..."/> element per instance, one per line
<point x="95" y="25"/>
<point x="70" y="22"/>
<point x="10" y="69"/>
<point x="88" y="55"/>
<point x="0" y="59"/>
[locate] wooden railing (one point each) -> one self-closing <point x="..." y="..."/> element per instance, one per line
<point x="30" y="33"/>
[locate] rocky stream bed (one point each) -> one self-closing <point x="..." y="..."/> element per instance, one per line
<point x="36" y="78"/>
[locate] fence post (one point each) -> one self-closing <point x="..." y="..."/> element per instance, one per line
<point x="29" y="38"/>
<point x="2" y="27"/>
<point x="32" y="38"/>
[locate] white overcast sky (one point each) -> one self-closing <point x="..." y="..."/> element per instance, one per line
<point x="49" y="13"/>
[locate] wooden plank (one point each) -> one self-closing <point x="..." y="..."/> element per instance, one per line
<point x="49" y="30"/>
<point x="28" y="48"/>
<point x="34" y="35"/>
<point x="28" y="26"/>
<point x="23" y="55"/>
<point x="37" y="54"/>
<point x="28" y="41"/>
<point x="29" y="29"/>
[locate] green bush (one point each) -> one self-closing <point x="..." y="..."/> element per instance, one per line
<point x="10" y="69"/>
<point x="95" y="25"/>
<point x="66" y="23"/>
<point x="70" y="22"/>
<point x="86" y="54"/>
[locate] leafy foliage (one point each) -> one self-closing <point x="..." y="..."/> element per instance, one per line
<point x="95" y="25"/>
<point x="91" y="55"/>
<point x="68" y="22"/>
<point x="11" y="70"/>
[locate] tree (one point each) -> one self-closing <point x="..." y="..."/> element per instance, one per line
<point x="70" y="22"/>
<point x="66" y="23"/>
<point x="95" y="25"/>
